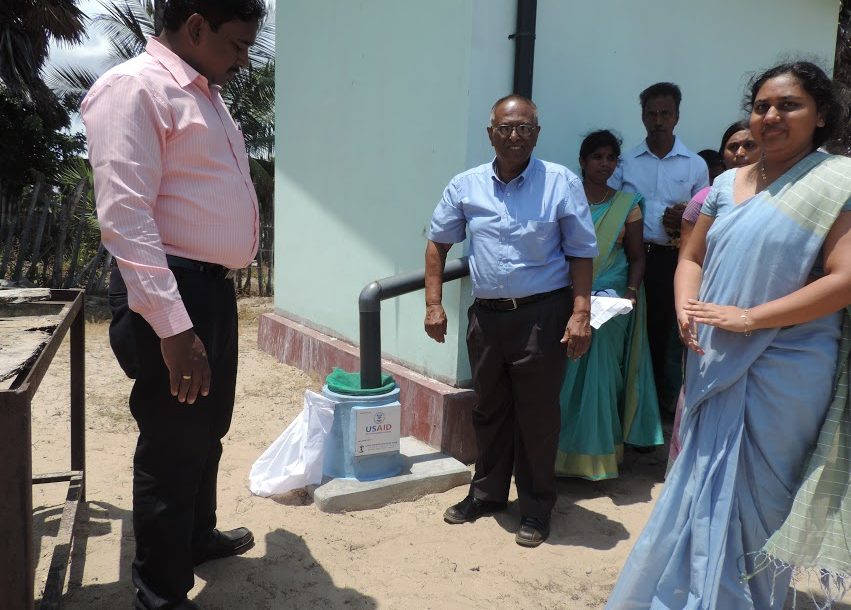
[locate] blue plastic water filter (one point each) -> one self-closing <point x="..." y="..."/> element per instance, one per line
<point x="340" y="459"/>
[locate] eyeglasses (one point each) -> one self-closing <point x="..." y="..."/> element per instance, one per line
<point x="524" y="130"/>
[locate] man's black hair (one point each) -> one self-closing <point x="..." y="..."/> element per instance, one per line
<point x="661" y="90"/>
<point x="712" y="157"/>
<point x="216" y="12"/>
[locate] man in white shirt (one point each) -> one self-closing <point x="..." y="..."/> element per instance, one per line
<point x="668" y="174"/>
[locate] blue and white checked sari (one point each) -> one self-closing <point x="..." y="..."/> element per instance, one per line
<point x="753" y="411"/>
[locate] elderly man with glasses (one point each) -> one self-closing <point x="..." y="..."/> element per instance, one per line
<point x="532" y="242"/>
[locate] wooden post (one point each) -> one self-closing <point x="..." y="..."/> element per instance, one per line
<point x="7" y="248"/>
<point x="94" y="266"/>
<point x="24" y="239"/>
<point x="105" y="270"/>
<point x="36" y="251"/>
<point x="75" y="249"/>
<point x="78" y="394"/>
<point x="66" y="216"/>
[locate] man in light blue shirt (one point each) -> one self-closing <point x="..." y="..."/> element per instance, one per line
<point x="532" y="242"/>
<point x="668" y="174"/>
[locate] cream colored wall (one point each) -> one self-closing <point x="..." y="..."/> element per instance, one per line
<point x="592" y="59"/>
<point x="381" y="102"/>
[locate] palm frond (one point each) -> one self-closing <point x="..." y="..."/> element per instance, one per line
<point x="127" y="25"/>
<point x="61" y="19"/>
<point x="263" y="177"/>
<point x="19" y="65"/>
<point x="263" y="50"/>
<point x="251" y="100"/>
<point x="70" y="79"/>
<point x="123" y="49"/>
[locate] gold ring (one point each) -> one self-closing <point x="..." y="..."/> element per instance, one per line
<point x="186" y="377"/>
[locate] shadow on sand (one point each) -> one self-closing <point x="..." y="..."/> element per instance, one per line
<point x="287" y="576"/>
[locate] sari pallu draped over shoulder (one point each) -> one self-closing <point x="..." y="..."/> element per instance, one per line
<point x="754" y="409"/>
<point x="608" y="397"/>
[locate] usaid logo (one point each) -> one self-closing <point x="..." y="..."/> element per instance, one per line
<point x="379" y="425"/>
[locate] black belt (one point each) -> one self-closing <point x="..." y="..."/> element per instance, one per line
<point x="653" y="247"/>
<point x="211" y="269"/>
<point x="512" y="304"/>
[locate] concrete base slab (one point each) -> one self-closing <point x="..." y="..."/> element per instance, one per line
<point x="425" y="470"/>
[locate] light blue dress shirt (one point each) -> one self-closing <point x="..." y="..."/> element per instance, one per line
<point x="520" y="232"/>
<point x="673" y="179"/>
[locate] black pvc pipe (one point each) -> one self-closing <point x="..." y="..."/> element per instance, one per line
<point x="369" y="304"/>
<point x="524" y="49"/>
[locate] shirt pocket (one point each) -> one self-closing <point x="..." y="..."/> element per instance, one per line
<point x="679" y="191"/>
<point x="536" y="239"/>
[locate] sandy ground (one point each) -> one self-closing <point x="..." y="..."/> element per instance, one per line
<point x="400" y="556"/>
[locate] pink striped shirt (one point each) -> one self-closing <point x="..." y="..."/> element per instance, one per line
<point x="171" y="177"/>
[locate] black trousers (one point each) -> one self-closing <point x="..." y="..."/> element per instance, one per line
<point x="177" y="454"/>
<point x="661" y="316"/>
<point x="518" y="368"/>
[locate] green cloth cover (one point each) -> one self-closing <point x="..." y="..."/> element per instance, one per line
<point x="348" y="384"/>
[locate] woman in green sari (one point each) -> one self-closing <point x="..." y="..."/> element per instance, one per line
<point x="608" y="398"/>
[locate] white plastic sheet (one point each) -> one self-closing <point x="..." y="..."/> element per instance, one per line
<point x="294" y="460"/>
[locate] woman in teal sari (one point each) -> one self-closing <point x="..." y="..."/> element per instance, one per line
<point x="760" y="293"/>
<point x="608" y="397"/>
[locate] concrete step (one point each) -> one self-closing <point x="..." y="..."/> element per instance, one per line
<point x="425" y="470"/>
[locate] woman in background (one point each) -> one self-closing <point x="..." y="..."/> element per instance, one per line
<point x="608" y="397"/>
<point x="738" y="148"/>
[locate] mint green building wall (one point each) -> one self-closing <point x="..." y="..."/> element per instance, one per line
<point x="381" y="102"/>
<point x="592" y="59"/>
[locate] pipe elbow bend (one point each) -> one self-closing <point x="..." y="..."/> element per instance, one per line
<point x="370" y="298"/>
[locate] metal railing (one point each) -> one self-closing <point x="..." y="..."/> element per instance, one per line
<point x="369" y="304"/>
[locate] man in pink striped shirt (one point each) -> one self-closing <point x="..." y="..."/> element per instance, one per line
<point x="178" y="212"/>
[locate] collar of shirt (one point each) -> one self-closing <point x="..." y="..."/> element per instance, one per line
<point x="678" y="150"/>
<point x="519" y="179"/>
<point x="183" y="73"/>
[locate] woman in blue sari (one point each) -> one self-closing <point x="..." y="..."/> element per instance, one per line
<point x="759" y="291"/>
<point x="608" y="397"/>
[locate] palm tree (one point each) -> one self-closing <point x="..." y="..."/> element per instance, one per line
<point x="26" y="29"/>
<point x="32" y="113"/>
<point x="250" y="96"/>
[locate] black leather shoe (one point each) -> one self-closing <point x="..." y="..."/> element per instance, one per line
<point x="224" y="544"/>
<point x="469" y="509"/>
<point x="184" y="604"/>
<point x="533" y="531"/>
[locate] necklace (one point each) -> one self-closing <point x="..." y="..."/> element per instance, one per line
<point x="604" y="198"/>
<point x="762" y="171"/>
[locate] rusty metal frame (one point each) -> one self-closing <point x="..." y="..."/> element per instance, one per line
<point x="17" y="564"/>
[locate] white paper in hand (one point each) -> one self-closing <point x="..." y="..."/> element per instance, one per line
<point x="605" y="308"/>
